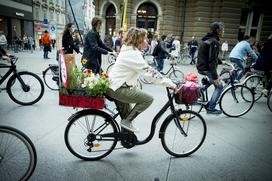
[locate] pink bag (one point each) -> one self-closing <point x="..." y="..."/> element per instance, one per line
<point x="188" y="93"/>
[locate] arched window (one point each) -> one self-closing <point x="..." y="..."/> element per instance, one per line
<point x="147" y="17"/>
<point x="110" y="19"/>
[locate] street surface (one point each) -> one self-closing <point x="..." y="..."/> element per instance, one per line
<point x="234" y="149"/>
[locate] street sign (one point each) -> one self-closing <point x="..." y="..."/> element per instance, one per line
<point x="53" y="29"/>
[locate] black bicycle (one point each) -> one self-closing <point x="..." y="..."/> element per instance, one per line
<point x="93" y="134"/>
<point x="25" y="88"/>
<point x="235" y="100"/>
<point x="51" y="76"/>
<point x="18" y="157"/>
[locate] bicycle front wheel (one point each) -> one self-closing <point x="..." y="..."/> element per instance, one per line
<point x="236" y="100"/>
<point x="184" y="136"/>
<point x="18" y="156"/>
<point x="51" y="77"/>
<point x="25" y="88"/>
<point x="269" y="101"/>
<point x="255" y="83"/>
<point x="176" y="76"/>
<point x="84" y="135"/>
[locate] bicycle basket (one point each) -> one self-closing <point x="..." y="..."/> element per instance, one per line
<point x="188" y="93"/>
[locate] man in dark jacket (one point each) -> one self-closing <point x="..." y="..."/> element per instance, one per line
<point x="207" y="61"/>
<point x="162" y="53"/>
<point x="94" y="47"/>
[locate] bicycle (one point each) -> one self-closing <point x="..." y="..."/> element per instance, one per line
<point x="172" y="73"/>
<point x="22" y="85"/>
<point x="93" y="134"/>
<point x="18" y="157"/>
<point x="256" y="82"/>
<point x="235" y="100"/>
<point x="51" y="77"/>
<point x="269" y="100"/>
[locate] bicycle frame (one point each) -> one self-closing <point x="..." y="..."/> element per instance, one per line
<point x="155" y="120"/>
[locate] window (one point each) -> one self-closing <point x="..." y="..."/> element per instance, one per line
<point x="250" y="24"/>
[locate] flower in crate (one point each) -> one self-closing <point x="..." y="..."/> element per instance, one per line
<point x="96" y="85"/>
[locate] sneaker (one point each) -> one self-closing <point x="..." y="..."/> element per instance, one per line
<point x="265" y="92"/>
<point x="128" y="125"/>
<point x="213" y="111"/>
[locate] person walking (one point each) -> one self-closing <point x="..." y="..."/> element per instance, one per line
<point x="68" y="43"/>
<point x="162" y="53"/>
<point x="207" y="61"/>
<point x="193" y="44"/>
<point x="224" y="49"/>
<point x="46" y="40"/>
<point x="125" y="73"/>
<point x="239" y="53"/>
<point x="176" y="47"/>
<point x="94" y="47"/>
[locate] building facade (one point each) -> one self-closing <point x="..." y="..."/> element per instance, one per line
<point x="186" y="18"/>
<point x="49" y="15"/>
<point x="16" y="18"/>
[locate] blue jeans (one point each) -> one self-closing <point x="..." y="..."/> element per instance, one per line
<point x="160" y="63"/>
<point x="45" y="54"/>
<point x="216" y="93"/>
<point x="240" y="67"/>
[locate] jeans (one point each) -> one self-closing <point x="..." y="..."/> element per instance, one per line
<point x="45" y="54"/>
<point x="216" y="93"/>
<point x="160" y="63"/>
<point x="240" y="67"/>
<point x="125" y="96"/>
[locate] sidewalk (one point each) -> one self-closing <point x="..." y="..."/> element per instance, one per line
<point x="235" y="148"/>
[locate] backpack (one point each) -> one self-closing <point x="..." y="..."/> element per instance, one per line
<point x="156" y="50"/>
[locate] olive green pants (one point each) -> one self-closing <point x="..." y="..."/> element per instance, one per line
<point x="125" y="96"/>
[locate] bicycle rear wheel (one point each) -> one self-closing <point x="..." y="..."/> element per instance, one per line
<point x="29" y="94"/>
<point x="51" y="77"/>
<point x="182" y="144"/>
<point x="236" y="100"/>
<point x="84" y="135"/>
<point x="255" y="83"/>
<point x="18" y="156"/>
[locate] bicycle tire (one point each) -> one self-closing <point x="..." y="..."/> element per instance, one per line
<point x="74" y="142"/>
<point x="188" y="120"/>
<point x="18" y="157"/>
<point x="269" y="101"/>
<point x="14" y="84"/>
<point x="186" y="59"/>
<point x="231" y="97"/>
<point x="111" y="59"/>
<point x="109" y="68"/>
<point x="255" y="83"/>
<point x="176" y="76"/>
<point x="49" y="75"/>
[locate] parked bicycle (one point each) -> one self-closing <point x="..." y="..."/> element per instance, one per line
<point x="93" y="134"/>
<point x="18" y="157"/>
<point x="235" y="100"/>
<point x="172" y="73"/>
<point x="23" y="87"/>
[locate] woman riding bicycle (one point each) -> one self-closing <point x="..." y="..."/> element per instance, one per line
<point x="124" y="74"/>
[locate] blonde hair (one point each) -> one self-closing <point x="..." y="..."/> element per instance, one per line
<point x="134" y="37"/>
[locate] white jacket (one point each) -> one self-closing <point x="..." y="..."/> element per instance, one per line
<point x="128" y="67"/>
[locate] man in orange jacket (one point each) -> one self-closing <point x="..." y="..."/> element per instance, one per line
<point x="46" y="40"/>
